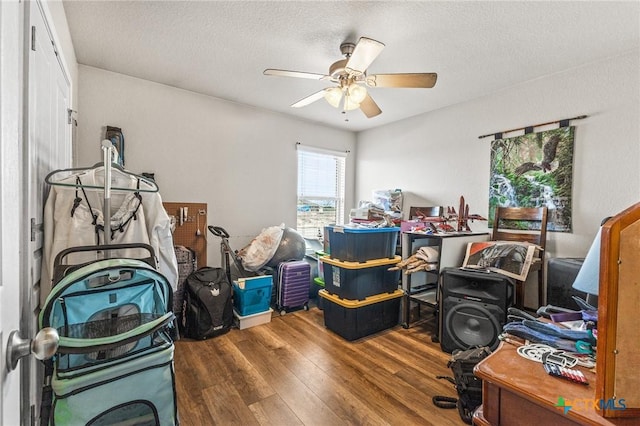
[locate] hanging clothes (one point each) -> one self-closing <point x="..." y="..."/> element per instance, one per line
<point x="73" y="216"/>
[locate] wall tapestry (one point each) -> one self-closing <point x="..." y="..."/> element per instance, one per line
<point x="534" y="170"/>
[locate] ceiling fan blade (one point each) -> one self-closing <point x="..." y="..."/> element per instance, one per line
<point x="297" y="74"/>
<point x="369" y="107"/>
<point x="365" y="52"/>
<point x="418" y="80"/>
<point x="309" y="99"/>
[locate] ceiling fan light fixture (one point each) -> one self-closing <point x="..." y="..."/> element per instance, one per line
<point x="333" y="96"/>
<point x="357" y="93"/>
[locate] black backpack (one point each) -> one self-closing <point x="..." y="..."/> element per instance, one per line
<point x="208" y="308"/>
<point x="469" y="386"/>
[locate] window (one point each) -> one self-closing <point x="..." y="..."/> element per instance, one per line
<point x="321" y="182"/>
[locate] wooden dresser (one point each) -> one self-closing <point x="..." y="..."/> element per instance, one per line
<point x="517" y="391"/>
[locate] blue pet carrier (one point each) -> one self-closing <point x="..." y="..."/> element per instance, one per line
<point x="114" y="363"/>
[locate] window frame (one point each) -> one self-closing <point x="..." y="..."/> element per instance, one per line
<point x="318" y="194"/>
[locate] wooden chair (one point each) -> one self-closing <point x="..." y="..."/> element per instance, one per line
<point x="534" y="220"/>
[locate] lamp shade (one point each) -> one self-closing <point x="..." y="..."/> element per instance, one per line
<point x="588" y="278"/>
<point x="357" y="93"/>
<point x="349" y="104"/>
<point x="333" y="96"/>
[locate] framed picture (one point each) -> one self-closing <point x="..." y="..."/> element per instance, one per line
<point x="509" y="258"/>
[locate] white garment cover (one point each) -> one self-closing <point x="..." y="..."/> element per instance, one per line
<point x="150" y="224"/>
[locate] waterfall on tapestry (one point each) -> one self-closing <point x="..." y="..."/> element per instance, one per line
<point x="534" y="170"/>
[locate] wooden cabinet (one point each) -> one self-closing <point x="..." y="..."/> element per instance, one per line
<point x="517" y="391"/>
<point x="618" y="300"/>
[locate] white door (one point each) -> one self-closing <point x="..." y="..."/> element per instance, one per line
<point x="11" y="37"/>
<point x="46" y="146"/>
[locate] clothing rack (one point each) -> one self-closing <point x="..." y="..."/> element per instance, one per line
<point x="108" y="153"/>
<point x="50" y="179"/>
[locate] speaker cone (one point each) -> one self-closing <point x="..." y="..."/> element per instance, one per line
<point x="471" y="324"/>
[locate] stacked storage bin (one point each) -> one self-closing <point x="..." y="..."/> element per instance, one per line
<point x="318" y="281"/>
<point x="317" y="277"/>
<point x="361" y="295"/>
<point x="251" y="301"/>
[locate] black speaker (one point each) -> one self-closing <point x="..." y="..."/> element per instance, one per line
<point x="473" y="308"/>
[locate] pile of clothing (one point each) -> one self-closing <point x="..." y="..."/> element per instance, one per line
<point x="580" y="338"/>
<point x="424" y="259"/>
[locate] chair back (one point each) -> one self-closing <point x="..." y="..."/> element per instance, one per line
<point x="532" y="219"/>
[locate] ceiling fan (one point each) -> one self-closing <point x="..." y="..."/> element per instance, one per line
<point x="351" y="79"/>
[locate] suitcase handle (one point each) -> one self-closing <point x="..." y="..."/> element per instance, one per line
<point x="218" y="231"/>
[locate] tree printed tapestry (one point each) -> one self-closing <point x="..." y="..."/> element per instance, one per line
<point x="534" y="170"/>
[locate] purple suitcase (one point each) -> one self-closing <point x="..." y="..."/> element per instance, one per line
<point x="294" y="279"/>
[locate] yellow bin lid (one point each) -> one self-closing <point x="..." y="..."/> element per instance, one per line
<point x="346" y="303"/>
<point x="361" y="265"/>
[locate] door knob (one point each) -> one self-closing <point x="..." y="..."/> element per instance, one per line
<point x="43" y="346"/>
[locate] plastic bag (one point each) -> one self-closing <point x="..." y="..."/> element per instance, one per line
<point x="388" y="199"/>
<point x="262" y="248"/>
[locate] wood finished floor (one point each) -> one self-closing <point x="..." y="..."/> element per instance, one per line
<point x="293" y="371"/>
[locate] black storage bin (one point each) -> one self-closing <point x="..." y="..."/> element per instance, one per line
<point x="357" y="281"/>
<point x="361" y="244"/>
<point x="355" y="319"/>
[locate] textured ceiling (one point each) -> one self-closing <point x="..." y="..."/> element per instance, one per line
<point x="220" y="48"/>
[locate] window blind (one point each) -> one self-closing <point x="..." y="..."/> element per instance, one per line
<point x="321" y="183"/>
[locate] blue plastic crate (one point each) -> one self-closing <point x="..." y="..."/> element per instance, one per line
<point x="361" y="244"/>
<point x="252" y="295"/>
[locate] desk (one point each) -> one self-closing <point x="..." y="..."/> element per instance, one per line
<point x="516" y="391"/>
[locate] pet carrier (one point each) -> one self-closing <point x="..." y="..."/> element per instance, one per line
<point x="114" y="363"/>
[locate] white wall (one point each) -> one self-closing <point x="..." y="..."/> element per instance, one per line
<point x="239" y="160"/>
<point x="438" y="156"/>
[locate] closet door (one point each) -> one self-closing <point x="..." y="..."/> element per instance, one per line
<point x="10" y="190"/>
<point x="48" y="148"/>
